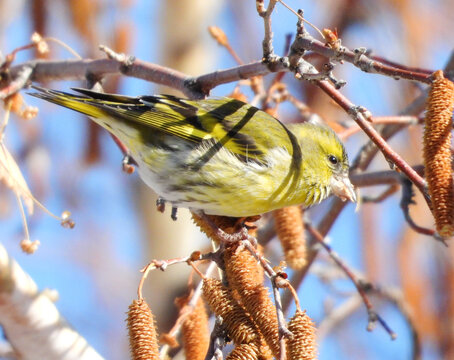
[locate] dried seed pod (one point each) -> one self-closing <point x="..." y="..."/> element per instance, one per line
<point x="242" y="274"/>
<point x="261" y="308"/>
<point x="244" y="352"/>
<point x="301" y="346"/>
<point x="143" y="339"/>
<point x="288" y="223"/>
<point x="41" y="45"/>
<point x="195" y="333"/>
<point x="29" y="247"/>
<point x="437" y="153"/>
<point x="237" y="322"/>
<point x="244" y="268"/>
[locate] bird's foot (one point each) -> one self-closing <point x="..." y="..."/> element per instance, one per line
<point x="161" y="207"/>
<point x="128" y="164"/>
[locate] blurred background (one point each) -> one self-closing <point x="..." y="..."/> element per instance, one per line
<point x="70" y="164"/>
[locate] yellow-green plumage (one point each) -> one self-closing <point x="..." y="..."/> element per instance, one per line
<point x="221" y="156"/>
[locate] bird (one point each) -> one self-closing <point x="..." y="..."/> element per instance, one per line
<point x="218" y="156"/>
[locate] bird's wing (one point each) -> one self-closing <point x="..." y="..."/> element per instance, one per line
<point x="239" y="127"/>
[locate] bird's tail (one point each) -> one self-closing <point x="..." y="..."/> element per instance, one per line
<point x="92" y="103"/>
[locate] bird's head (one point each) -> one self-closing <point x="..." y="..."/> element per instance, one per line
<point x="324" y="160"/>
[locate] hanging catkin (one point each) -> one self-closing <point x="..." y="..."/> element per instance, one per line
<point x="143" y="339"/>
<point x="242" y="274"/>
<point x="437" y="152"/>
<point x="238" y="324"/>
<point x="301" y="346"/>
<point x="288" y="223"/>
<point x="195" y="332"/>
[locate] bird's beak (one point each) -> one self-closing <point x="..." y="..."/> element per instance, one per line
<point x="343" y="188"/>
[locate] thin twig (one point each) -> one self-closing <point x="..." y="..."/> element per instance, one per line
<point x="192" y="87"/>
<point x="395" y="296"/>
<point x="217" y="341"/>
<point x="400" y="66"/>
<point x="18" y="82"/>
<point x="267" y="44"/>
<point x="283" y="330"/>
<point x="390" y="190"/>
<point x="384" y="177"/>
<point x="362" y="160"/>
<point x="360" y="285"/>
<point x="391" y="156"/>
<point x="302" y="19"/>
<point x="63" y="45"/>
<point x="358" y="58"/>
<point x="375" y="120"/>
<point x="405" y="202"/>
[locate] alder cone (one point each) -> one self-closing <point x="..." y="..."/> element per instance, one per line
<point x="437" y="153"/>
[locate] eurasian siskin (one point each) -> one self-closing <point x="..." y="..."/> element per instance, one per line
<point x="221" y="156"/>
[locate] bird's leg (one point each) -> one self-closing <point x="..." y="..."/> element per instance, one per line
<point x="160" y="204"/>
<point x="161" y="207"/>
<point x="174" y="213"/>
<point x="128" y="164"/>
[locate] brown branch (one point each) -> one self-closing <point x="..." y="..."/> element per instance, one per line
<point x="400" y="66"/>
<point x="267" y="44"/>
<point x="358" y="58"/>
<point x="400" y="120"/>
<point x="369" y="151"/>
<point x="390" y="190"/>
<point x="48" y="70"/>
<point x="18" y="82"/>
<point x="193" y="87"/>
<point x="390" y="155"/>
<point x="209" y="81"/>
<point x="385" y="177"/>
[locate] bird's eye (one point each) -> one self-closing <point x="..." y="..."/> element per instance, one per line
<point x="332" y="159"/>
